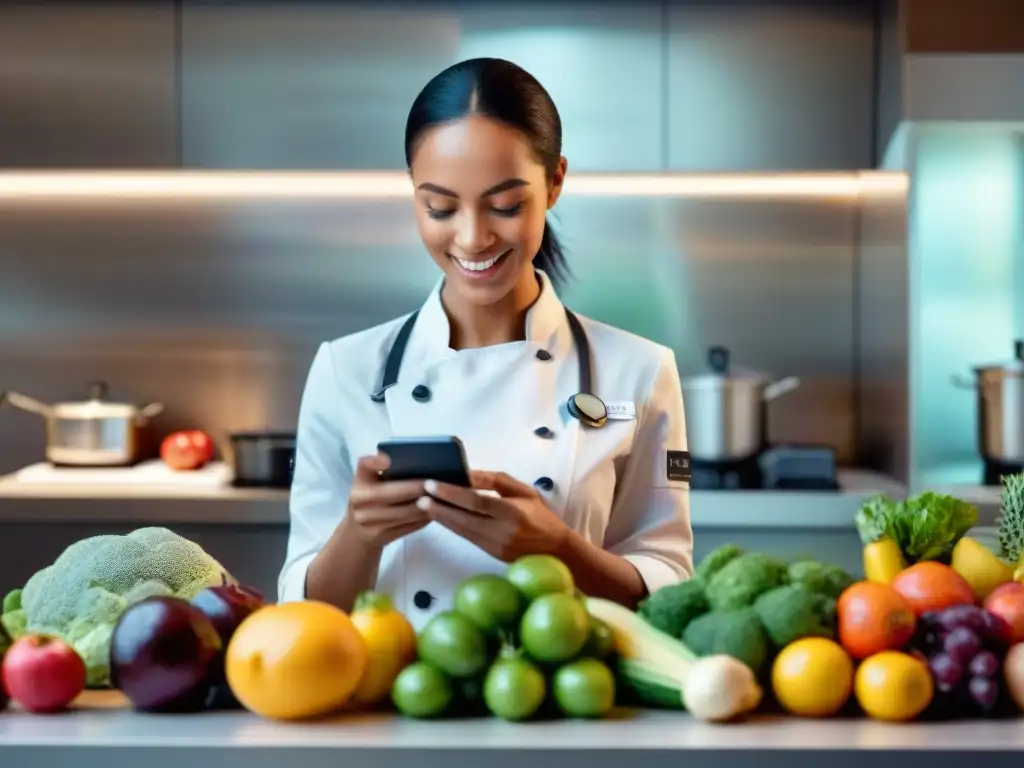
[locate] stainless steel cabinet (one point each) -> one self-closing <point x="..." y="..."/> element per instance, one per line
<point x="87" y="85"/>
<point x="328" y="85"/>
<point x="770" y="86"/>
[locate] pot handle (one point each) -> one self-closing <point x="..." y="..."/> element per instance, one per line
<point x="781" y="387"/>
<point x="26" y="403"/>
<point x="148" y="412"/>
<point x="961" y="382"/>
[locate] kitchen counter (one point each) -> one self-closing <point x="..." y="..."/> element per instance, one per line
<point x="227" y="506"/>
<point x="100" y="730"/>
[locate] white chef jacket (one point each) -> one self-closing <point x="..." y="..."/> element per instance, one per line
<point x="613" y="485"/>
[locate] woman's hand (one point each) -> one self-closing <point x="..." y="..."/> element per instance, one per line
<point x="380" y="512"/>
<point x="516" y="523"/>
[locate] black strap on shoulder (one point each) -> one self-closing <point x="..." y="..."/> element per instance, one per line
<point x="395" y="355"/>
<point x="579" y="337"/>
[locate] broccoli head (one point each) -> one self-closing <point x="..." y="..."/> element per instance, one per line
<point x="674" y="606"/>
<point x="81" y="596"/>
<point x="740" y="581"/>
<point x="790" y="612"/>
<point x="737" y="633"/>
<point x="715" y="560"/>
<point x="823" y="578"/>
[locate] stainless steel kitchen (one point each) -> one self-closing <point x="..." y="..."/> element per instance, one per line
<point x="817" y="207"/>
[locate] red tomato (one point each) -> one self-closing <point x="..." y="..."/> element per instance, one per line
<point x="931" y="586"/>
<point x="1007" y="602"/>
<point x="43" y="674"/>
<point x="188" y="449"/>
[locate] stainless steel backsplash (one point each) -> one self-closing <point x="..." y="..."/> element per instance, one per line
<point x="215" y="307"/>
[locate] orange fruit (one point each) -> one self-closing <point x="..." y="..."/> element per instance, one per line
<point x="893" y="686"/>
<point x="812" y="677"/>
<point x="931" y="586"/>
<point x="873" y="617"/>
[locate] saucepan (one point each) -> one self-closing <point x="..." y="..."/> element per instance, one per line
<point x="726" y="409"/>
<point x="261" y="459"/>
<point x="94" y="432"/>
<point x="999" y="392"/>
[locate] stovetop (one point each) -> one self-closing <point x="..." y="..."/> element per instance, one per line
<point x="779" y="467"/>
<point x="993" y="472"/>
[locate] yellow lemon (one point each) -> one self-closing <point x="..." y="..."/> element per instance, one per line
<point x="893" y="686"/>
<point x="812" y="677"/>
<point x="980" y="566"/>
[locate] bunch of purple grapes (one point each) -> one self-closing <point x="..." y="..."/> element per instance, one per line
<point x="965" y="647"/>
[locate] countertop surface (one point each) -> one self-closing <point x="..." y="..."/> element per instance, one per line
<point x="101" y="719"/>
<point x="190" y="503"/>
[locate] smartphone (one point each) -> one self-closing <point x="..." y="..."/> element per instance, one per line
<point x="427" y="458"/>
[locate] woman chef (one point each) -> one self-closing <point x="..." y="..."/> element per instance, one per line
<point x="493" y="357"/>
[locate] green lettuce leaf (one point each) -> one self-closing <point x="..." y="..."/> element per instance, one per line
<point x="929" y="525"/>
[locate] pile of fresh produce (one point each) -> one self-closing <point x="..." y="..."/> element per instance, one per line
<point x="935" y="630"/>
<point x="81" y="596"/>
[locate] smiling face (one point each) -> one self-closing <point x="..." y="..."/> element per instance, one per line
<point x="481" y="201"/>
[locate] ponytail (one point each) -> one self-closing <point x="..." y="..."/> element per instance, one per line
<point x="550" y="259"/>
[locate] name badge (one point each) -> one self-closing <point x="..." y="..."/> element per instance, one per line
<point x="623" y="411"/>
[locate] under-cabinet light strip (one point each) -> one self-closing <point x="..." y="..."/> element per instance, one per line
<point x="369" y="185"/>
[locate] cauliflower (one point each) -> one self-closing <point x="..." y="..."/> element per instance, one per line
<point x="674" y="606"/>
<point x="793" y="612"/>
<point x="80" y="597"/>
<point x="741" y="580"/>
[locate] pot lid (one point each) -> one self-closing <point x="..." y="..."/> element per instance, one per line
<point x="96" y="407"/>
<point x="721" y="372"/>
<point x="1014" y="366"/>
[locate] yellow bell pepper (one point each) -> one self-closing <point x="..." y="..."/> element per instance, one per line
<point x="391" y="642"/>
<point x="883" y="560"/>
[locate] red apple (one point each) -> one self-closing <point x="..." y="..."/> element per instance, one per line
<point x="43" y="674"/>
<point x="1007" y="602"/>
<point x="187" y="449"/>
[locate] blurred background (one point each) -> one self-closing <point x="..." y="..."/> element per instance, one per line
<point x="195" y="194"/>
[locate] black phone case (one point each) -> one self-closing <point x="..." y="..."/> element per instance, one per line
<point x="442" y="460"/>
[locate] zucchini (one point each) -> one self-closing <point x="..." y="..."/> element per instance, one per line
<point x="663" y="672"/>
<point x="650" y="663"/>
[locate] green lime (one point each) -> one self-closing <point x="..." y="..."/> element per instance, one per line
<point x="554" y="628"/>
<point x="584" y="688"/>
<point x="536" y="575"/>
<point x="453" y="644"/>
<point x="490" y="602"/>
<point x="601" y="642"/>
<point x="422" y="691"/>
<point x="514" y="689"/>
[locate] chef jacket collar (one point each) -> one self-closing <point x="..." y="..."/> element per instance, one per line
<point x="432" y="333"/>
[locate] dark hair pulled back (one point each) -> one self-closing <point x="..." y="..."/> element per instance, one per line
<point x="505" y="92"/>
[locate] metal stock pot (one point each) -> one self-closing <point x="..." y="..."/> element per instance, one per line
<point x="93" y="432"/>
<point x="1000" y="406"/>
<point x="725" y="409"/>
